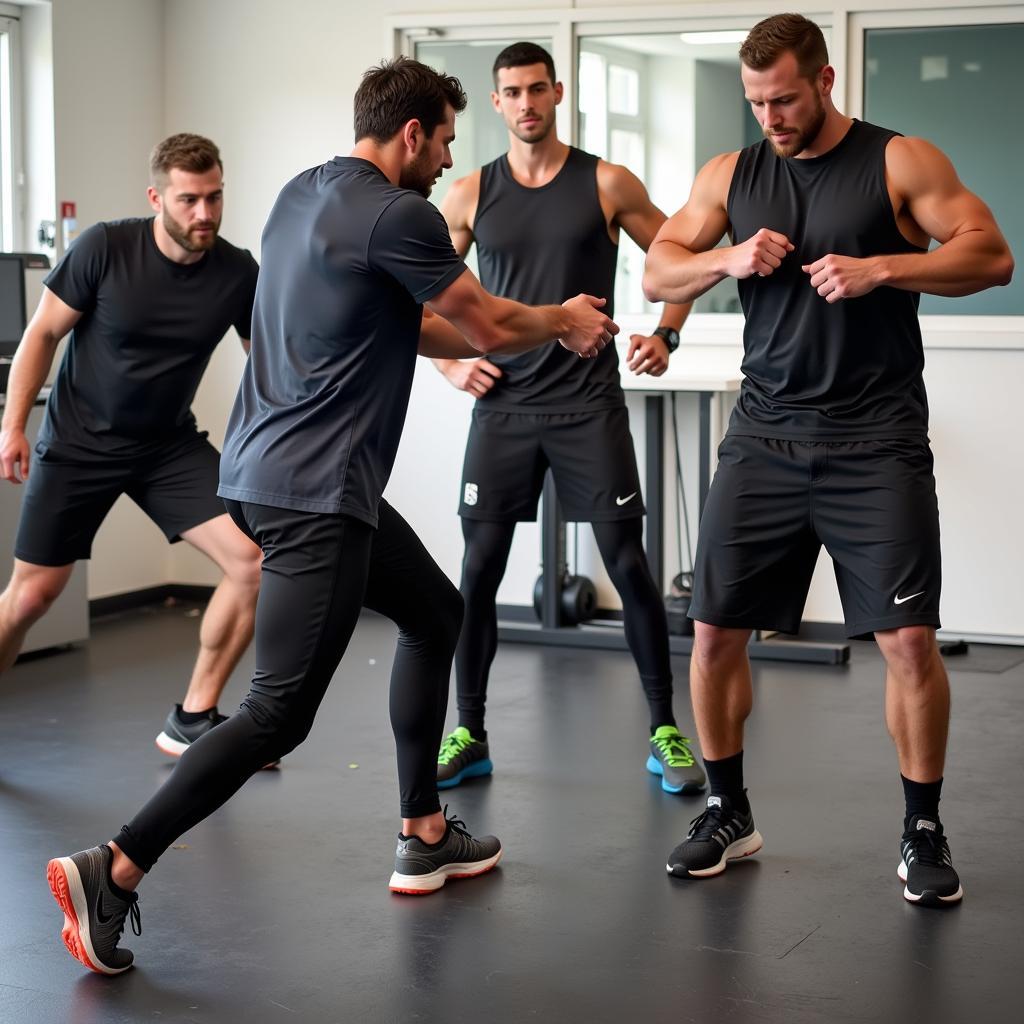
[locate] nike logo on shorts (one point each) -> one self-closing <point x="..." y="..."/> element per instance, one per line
<point x="628" y="497"/>
<point x="900" y="600"/>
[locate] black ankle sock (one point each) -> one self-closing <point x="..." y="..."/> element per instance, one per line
<point x="191" y="717"/>
<point x="725" y="778"/>
<point x="658" y="692"/>
<point x="660" y="718"/>
<point x="478" y="732"/>
<point x="922" y="798"/>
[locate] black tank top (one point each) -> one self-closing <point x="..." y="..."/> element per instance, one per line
<point x="542" y="246"/>
<point x="815" y="370"/>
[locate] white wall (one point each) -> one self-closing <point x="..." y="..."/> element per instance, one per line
<point x="37" y="124"/>
<point x="107" y="96"/>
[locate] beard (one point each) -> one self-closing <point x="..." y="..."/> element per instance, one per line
<point x="538" y="133"/>
<point x="188" y="237"/>
<point x="804" y="137"/>
<point x="420" y="174"/>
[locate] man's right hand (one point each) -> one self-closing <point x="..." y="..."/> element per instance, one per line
<point x="589" y="329"/>
<point x="14" y="456"/>
<point x="477" y="376"/>
<point x="760" y="254"/>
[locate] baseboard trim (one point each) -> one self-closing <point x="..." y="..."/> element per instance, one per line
<point x="114" y="604"/>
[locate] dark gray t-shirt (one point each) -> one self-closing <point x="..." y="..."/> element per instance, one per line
<point x="347" y="260"/>
<point x="148" y="329"/>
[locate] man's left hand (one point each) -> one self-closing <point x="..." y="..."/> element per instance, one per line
<point x="842" y="277"/>
<point x="647" y="354"/>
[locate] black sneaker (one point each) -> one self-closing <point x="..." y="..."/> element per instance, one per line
<point x="94" y="913"/>
<point x="178" y="736"/>
<point x="717" y="836"/>
<point x="926" y="866"/>
<point x="424" y="867"/>
<point x="462" y="757"/>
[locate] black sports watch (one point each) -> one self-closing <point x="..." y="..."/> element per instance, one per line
<point x="669" y="335"/>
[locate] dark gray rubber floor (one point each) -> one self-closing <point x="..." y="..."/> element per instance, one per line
<point x="277" y="910"/>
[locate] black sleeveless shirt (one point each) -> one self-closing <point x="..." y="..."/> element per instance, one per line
<point x="814" y="370"/>
<point x="542" y="246"/>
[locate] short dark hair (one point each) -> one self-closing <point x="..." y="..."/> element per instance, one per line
<point x="785" y="33"/>
<point x="397" y="91"/>
<point x="520" y="55"/>
<point x="185" y="151"/>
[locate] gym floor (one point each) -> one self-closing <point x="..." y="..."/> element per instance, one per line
<point x="276" y="909"/>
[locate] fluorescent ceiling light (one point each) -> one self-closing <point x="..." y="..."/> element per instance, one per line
<point x="705" y="38"/>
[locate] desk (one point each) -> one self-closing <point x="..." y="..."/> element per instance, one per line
<point x="710" y="372"/>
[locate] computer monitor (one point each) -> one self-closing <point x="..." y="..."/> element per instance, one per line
<point x="12" y="302"/>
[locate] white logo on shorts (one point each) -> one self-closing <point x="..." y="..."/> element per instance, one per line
<point x="628" y="497"/>
<point x="901" y="600"/>
<point x="470" y="494"/>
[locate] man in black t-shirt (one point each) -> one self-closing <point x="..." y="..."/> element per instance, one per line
<point x="351" y="252"/>
<point x="546" y="220"/>
<point x="830" y="221"/>
<point x="146" y="301"/>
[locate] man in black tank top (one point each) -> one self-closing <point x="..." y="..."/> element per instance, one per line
<point x="545" y="218"/>
<point x="830" y="221"/>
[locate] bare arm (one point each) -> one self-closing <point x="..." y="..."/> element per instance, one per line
<point x="683" y="263"/>
<point x="52" y="320"/>
<point x="491" y="324"/>
<point x="633" y="211"/>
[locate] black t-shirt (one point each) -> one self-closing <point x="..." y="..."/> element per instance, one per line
<point x="545" y="245"/>
<point x="816" y="370"/>
<point x="148" y="328"/>
<point x="347" y="259"/>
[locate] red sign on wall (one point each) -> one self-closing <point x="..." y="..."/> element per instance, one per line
<point x="67" y="211"/>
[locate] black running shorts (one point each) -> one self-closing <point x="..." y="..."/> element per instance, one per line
<point x="66" y="499"/>
<point x="773" y="503"/>
<point x="590" y="454"/>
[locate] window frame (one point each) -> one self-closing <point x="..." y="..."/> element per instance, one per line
<point x="11" y="151"/>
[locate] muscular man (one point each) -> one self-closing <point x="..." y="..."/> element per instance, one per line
<point x="546" y="219"/>
<point x="146" y="301"/>
<point x="350" y="252"/>
<point x="830" y="220"/>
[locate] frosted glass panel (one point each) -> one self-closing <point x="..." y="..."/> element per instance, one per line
<point x="962" y="89"/>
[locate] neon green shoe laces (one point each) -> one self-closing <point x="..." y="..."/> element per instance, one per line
<point x="454" y="744"/>
<point x="673" y="747"/>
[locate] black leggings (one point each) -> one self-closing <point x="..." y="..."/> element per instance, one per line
<point x="318" y="572"/>
<point x="621" y="547"/>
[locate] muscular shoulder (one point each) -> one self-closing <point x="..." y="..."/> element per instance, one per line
<point x="461" y="200"/>
<point x="619" y="186"/>
<point x="915" y="165"/>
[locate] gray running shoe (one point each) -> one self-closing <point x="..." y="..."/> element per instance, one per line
<point x="421" y="868"/>
<point x="717" y="836"/>
<point x="94" y="913"/>
<point x="178" y="736"/>
<point x="462" y="757"/>
<point x="672" y="759"/>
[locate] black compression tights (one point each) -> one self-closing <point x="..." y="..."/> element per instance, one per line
<point x="318" y="572"/>
<point x="621" y="547"/>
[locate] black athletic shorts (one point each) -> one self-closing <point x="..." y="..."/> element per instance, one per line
<point x="67" y="498"/>
<point x="590" y="454"/>
<point x="773" y="504"/>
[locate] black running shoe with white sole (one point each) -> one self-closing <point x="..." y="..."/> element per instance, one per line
<point x="94" y="913"/>
<point x="926" y="866"/>
<point x="717" y="836"/>
<point x="421" y="868"/>
<point x="178" y="736"/>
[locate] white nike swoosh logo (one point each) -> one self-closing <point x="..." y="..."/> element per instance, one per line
<point x="628" y="497"/>
<point x="900" y="600"/>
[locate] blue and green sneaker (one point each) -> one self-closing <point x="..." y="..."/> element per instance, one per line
<point x="462" y="757"/>
<point x="672" y="759"/>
